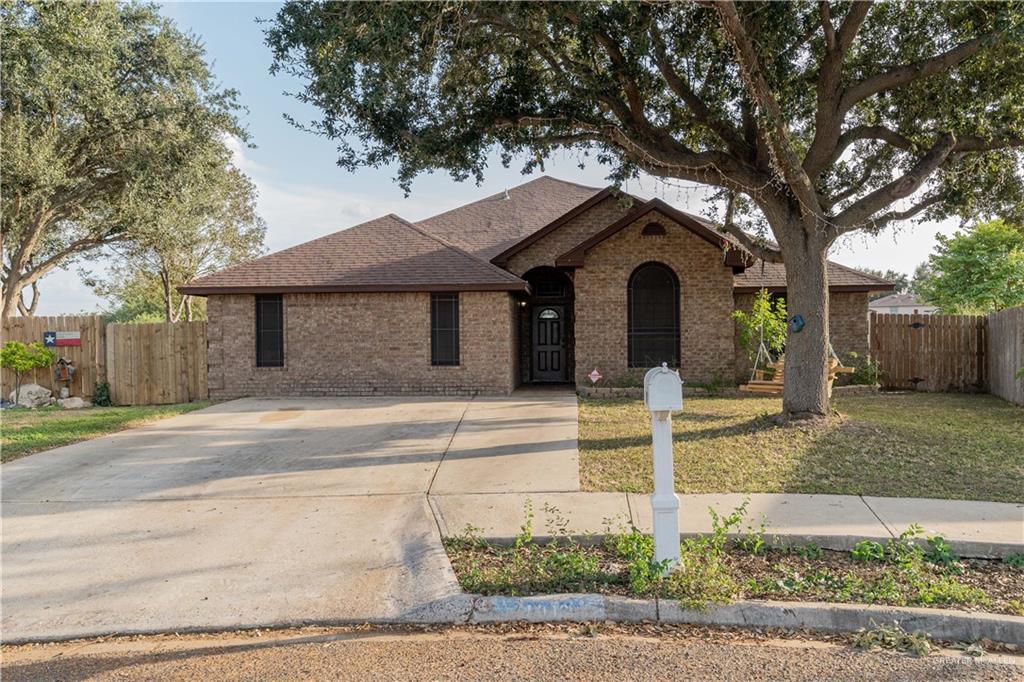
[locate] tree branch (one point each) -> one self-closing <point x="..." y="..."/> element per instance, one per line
<point x="902" y="187"/>
<point x="759" y="247"/>
<point x="828" y="117"/>
<point x="772" y="118"/>
<point x="893" y="216"/>
<point x="732" y="138"/>
<point x="907" y="73"/>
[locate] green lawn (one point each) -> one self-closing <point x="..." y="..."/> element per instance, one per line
<point x="903" y="445"/>
<point x="28" y="431"/>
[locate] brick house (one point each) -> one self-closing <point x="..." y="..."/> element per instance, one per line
<point x="542" y="283"/>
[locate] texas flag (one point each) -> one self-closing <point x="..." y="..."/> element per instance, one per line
<point x="62" y="338"/>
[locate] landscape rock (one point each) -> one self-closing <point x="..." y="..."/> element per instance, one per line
<point x="32" y="395"/>
<point x="73" y="403"/>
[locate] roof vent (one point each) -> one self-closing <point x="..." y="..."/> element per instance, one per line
<point x="506" y="194"/>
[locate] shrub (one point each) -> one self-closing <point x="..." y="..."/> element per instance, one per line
<point x="101" y="395"/>
<point x="867" y="372"/>
<point x="868" y="550"/>
<point x="766" y="320"/>
<point x="939" y="552"/>
<point x="20" y="359"/>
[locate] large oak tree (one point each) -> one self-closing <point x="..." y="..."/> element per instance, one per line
<point x="814" y="120"/>
<point x="106" y="108"/>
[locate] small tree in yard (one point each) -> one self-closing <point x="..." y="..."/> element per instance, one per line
<point x="765" y="322"/>
<point x="20" y="359"/>
<point x="976" y="272"/>
<point x="813" y="120"/>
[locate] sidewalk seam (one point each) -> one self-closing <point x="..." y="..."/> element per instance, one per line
<point x="633" y="520"/>
<point x="447" y="447"/>
<point x="875" y="514"/>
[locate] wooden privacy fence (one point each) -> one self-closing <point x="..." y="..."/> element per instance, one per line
<point x="931" y="352"/>
<point x="90" y="358"/>
<point x="1006" y="354"/>
<point x="144" y="364"/>
<point x="156" y="364"/>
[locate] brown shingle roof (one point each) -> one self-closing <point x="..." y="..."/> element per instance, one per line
<point x="489" y="226"/>
<point x="386" y="254"/>
<point x="840" y="278"/>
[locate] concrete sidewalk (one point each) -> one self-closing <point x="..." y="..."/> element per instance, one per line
<point x="832" y="521"/>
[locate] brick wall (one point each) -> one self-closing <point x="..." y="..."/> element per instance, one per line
<point x="706" y="302"/>
<point x="848" y="323"/>
<point x="580" y="228"/>
<point x="847" y="328"/>
<point x="361" y="344"/>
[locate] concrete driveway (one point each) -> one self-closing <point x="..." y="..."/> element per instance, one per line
<point x="265" y="512"/>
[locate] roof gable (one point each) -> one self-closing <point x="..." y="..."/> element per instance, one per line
<point x="734" y="255"/>
<point x="385" y="254"/>
<point x="503" y="258"/>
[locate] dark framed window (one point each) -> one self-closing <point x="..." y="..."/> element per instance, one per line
<point x="653" y="230"/>
<point x="653" y="316"/>
<point x="444" y="329"/>
<point x="269" y="330"/>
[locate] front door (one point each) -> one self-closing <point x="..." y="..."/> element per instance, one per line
<point x="548" y="344"/>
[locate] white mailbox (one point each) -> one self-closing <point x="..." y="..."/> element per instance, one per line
<point x="663" y="389"/>
<point x="663" y="392"/>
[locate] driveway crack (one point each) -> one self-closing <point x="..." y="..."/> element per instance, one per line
<point x="447" y="447"/>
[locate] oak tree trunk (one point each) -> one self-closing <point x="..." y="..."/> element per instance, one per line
<point x="805" y="394"/>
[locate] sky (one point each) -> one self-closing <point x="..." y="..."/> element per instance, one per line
<point x="303" y="194"/>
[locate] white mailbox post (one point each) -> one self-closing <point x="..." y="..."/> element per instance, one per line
<point x="663" y="392"/>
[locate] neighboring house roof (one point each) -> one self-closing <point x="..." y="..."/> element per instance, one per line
<point x="490" y="226"/>
<point x="700" y="227"/>
<point x="772" y="276"/>
<point x="386" y="254"/>
<point x="895" y="300"/>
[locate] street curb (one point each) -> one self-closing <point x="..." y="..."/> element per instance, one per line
<point x="943" y="624"/>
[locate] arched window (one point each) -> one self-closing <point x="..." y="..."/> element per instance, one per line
<point x="653" y="316"/>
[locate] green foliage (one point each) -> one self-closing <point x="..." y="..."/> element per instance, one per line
<point x="561" y="565"/>
<point x="978" y="271"/>
<point x="867" y="371"/>
<point x="703" y="575"/>
<point x="902" y="572"/>
<point x="1015" y="560"/>
<point x="112" y="123"/>
<point x="892" y="637"/>
<point x="941" y="553"/>
<point x="101" y="395"/>
<point x="767" y="317"/>
<point x="868" y="550"/>
<point x="21" y="358"/>
<point x="637" y="550"/>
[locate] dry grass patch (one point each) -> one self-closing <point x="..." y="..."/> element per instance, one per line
<point x="897" y="445"/>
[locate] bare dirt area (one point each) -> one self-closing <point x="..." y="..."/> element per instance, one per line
<point x="502" y="652"/>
